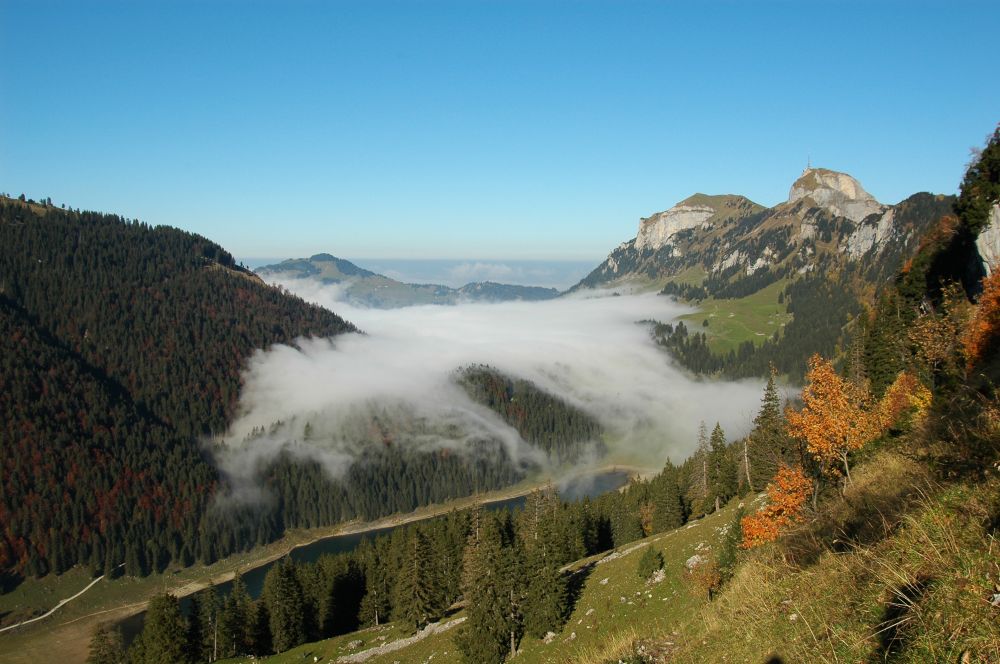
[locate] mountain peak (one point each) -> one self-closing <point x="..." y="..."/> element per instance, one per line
<point x="694" y="211"/>
<point x="838" y="192"/>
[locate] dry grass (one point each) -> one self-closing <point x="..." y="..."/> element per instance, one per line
<point x="920" y="592"/>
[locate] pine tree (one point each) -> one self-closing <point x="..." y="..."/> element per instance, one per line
<point x="285" y="606"/>
<point x="164" y="632"/>
<point x="417" y="592"/>
<point x="722" y="470"/>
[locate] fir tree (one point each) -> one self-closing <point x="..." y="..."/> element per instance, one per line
<point x="722" y="470"/>
<point x="164" y="632"/>
<point x="285" y="606"/>
<point x="417" y="592"/>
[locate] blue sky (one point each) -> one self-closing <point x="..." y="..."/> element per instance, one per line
<point x="477" y="129"/>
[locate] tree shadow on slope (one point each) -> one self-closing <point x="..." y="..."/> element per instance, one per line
<point x="894" y="630"/>
<point x="9" y="581"/>
<point x="885" y="489"/>
<point x="575" y="583"/>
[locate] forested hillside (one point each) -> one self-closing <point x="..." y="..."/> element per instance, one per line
<point x="563" y="432"/>
<point x="123" y="345"/>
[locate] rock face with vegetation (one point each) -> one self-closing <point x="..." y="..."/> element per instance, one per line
<point x="811" y="262"/>
<point x="828" y="220"/>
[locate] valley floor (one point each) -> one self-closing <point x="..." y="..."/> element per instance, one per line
<point x="65" y="635"/>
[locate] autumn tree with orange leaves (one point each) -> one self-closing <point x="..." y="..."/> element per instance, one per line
<point x="836" y="417"/>
<point x="786" y="496"/>
<point x="983" y="330"/>
<point x="841" y="416"/>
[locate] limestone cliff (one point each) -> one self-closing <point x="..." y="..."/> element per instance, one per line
<point x="988" y="242"/>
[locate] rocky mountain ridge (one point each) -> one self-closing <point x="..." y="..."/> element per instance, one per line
<point x="829" y="222"/>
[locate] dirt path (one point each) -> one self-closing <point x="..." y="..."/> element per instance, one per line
<point x="55" y="608"/>
<point x="399" y="644"/>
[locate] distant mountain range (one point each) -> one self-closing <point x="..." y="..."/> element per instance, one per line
<point x="366" y="288"/>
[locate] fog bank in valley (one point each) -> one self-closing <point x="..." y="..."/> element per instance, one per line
<point x="591" y="351"/>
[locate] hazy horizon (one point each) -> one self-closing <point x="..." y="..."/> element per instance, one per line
<point x="455" y="273"/>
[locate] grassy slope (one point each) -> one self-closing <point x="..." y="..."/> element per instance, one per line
<point x="924" y="558"/>
<point x="731" y="322"/>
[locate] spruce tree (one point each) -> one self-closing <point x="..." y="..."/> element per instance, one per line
<point x="494" y="595"/>
<point x="285" y="606"/>
<point x="417" y="594"/>
<point x="700" y="487"/>
<point x="668" y="507"/>
<point x="233" y="619"/>
<point x="164" y="633"/>
<point x="722" y="470"/>
<point x="767" y="445"/>
<point x="546" y="601"/>
<point x="259" y="635"/>
<point x="726" y="559"/>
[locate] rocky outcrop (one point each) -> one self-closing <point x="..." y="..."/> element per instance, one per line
<point x="657" y="231"/>
<point x="988" y="242"/>
<point x="838" y="193"/>
<point x="871" y="235"/>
